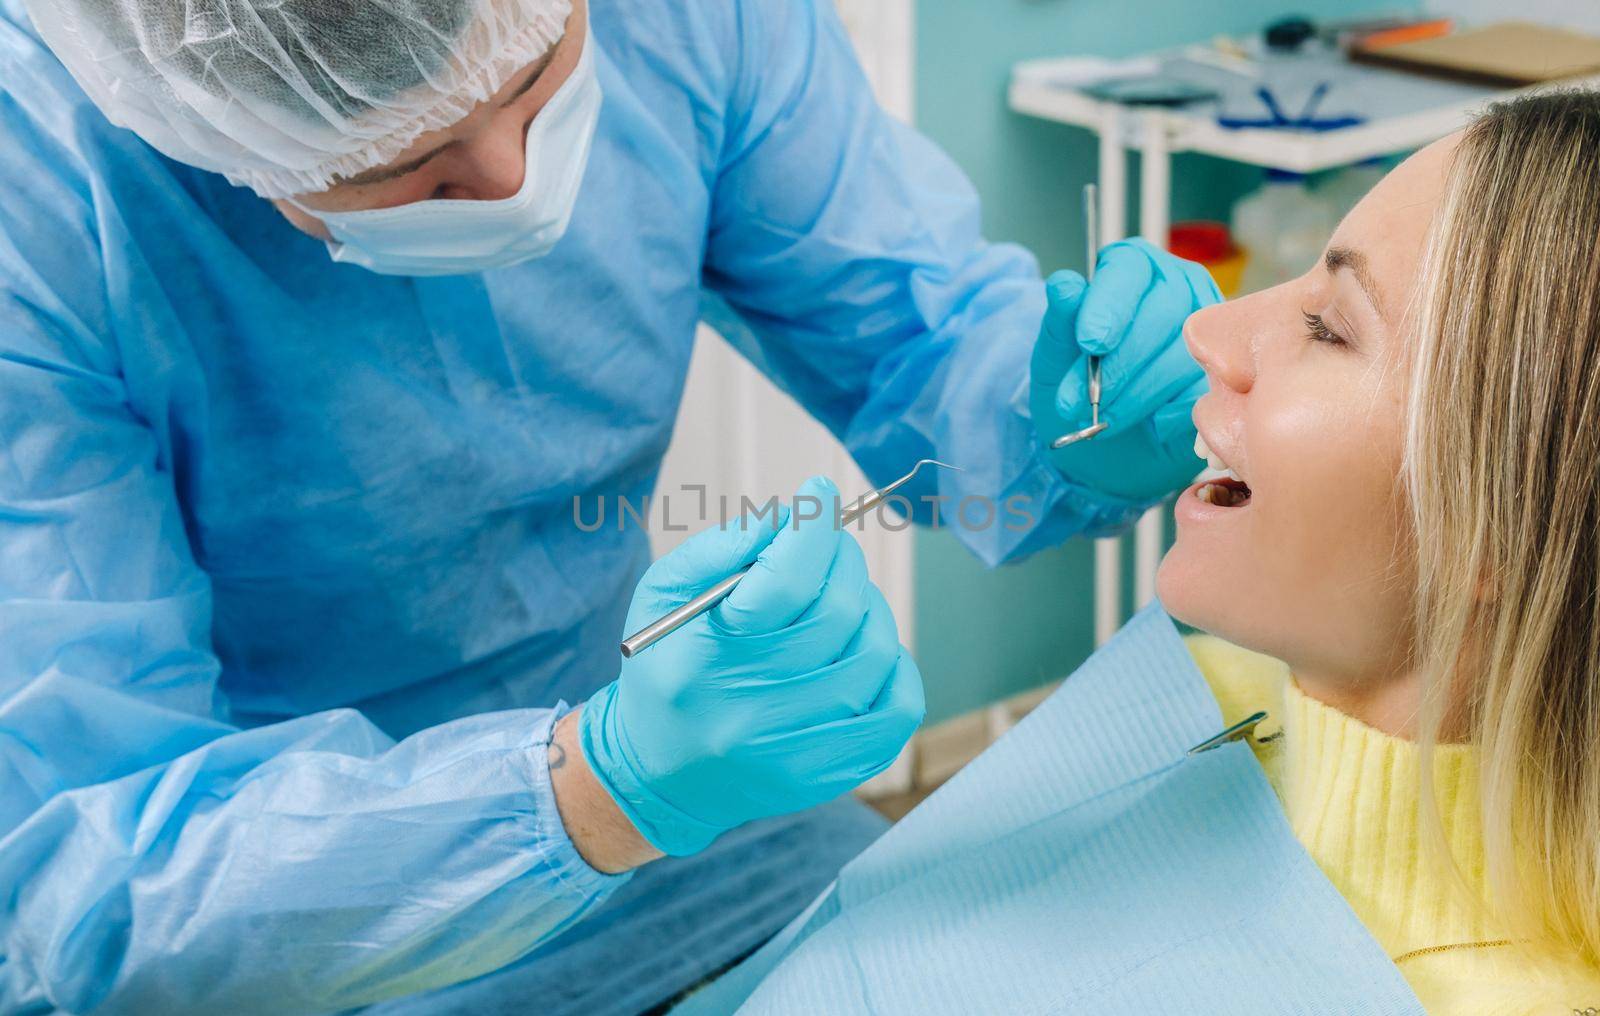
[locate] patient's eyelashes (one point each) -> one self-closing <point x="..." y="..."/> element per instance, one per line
<point x="1317" y="330"/>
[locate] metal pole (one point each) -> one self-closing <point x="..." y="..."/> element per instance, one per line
<point x="1113" y="227"/>
<point x="1155" y="219"/>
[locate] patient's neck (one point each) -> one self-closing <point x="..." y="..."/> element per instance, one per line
<point x="1389" y="703"/>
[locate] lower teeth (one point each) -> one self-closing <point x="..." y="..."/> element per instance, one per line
<point x="1227" y="497"/>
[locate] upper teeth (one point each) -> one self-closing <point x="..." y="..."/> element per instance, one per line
<point x="1213" y="460"/>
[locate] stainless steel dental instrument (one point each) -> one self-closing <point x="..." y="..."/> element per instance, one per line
<point x="1091" y="222"/>
<point x="670" y="622"/>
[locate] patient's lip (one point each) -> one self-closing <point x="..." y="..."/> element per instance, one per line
<point x="1220" y="455"/>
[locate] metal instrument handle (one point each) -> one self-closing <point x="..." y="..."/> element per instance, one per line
<point x="671" y="621"/>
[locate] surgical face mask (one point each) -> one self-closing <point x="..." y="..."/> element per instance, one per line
<point x="460" y="237"/>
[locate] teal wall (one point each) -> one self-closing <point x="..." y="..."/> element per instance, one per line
<point x="982" y="635"/>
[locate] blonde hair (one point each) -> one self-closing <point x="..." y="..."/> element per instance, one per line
<point x="1503" y="479"/>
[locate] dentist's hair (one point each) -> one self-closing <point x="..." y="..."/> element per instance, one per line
<point x="1503" y="477"/>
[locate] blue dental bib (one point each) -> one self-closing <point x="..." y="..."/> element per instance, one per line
<point x="1086" y="863"/>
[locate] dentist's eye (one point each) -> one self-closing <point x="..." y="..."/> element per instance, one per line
<point x="1317" y="330"/>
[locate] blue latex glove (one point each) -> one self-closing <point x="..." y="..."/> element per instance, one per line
<point x="791" y="691"/>
<point x="1132" y="316"/>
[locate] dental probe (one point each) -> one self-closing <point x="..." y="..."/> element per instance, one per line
<point x="670" y="622"/>
<point x="1091" y="223"/>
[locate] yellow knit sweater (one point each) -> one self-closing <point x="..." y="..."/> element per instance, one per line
<point x="1350" y="794"/>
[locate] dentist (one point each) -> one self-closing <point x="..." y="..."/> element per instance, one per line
<point x="315" y="318"/>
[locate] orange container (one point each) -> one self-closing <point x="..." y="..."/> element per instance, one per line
<point x="1210" y="244"/>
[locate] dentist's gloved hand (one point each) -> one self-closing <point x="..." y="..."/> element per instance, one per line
<point x="791" y="691"/>
<point x="1132" y="316"/>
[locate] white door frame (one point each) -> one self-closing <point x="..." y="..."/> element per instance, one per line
<point x="885" y="35"/>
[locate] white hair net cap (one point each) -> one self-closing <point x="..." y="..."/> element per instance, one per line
<point x="283" y="96"/>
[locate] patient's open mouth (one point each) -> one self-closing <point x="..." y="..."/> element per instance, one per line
<point x="1226" y="489"/>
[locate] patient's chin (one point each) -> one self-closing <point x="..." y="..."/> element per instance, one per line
<point x="1189" y="590"/>
<point x="1178" y="587"/>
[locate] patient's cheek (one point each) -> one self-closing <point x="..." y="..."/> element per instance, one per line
<point x="1312" y="478"/>
<point x="1302" y="570"/>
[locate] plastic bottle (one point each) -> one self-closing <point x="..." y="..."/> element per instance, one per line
<point x="1344" y="189"/>
<point x="1283" y="227"/>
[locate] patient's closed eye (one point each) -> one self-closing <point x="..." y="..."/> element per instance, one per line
<point x="1317" y="330"/>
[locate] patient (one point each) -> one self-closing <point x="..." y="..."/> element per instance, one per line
<point x="1407" y="538"/>
<point x="1412" y="525"/>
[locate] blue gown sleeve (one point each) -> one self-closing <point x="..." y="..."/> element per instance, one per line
<point x="846" y="259"/>
<point x="156" y="858"/>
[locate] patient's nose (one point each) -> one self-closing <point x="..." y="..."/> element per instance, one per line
<point x="1218" y="338"/>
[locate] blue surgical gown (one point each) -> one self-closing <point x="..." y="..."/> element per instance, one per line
<point x="291" y="589"/>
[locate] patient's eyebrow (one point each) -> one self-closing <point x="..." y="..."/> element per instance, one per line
<point x="1349" y="257"/>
